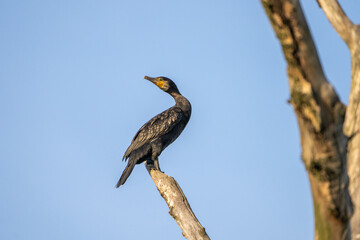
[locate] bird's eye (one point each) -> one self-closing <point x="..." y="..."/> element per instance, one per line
<point x="161" y="79"/>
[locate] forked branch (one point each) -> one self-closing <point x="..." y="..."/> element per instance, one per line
<point x="350" y="33"/>
<point x="320" y="115"/>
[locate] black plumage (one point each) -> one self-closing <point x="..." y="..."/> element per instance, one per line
<point x="158" y="133"/>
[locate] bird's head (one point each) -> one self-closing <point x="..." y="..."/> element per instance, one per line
<point x="164" y="83"/>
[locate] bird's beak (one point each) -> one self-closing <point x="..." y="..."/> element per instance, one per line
<point x="153" y="80"/>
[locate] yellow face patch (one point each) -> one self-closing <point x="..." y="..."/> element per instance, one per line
<point x="160" y="84"/>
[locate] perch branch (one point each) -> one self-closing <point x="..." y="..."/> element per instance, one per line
<point x="179" y="207"/>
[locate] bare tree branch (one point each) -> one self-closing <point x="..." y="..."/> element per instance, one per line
<point x="352" y="130"/>
<point x="350" y="33"/>
<point x="342" y="24"/>
<point x="179" y="207"/>
<point x="320" y="116"/>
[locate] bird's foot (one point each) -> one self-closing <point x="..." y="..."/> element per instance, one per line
<point x="150" y="165"/>
<point x="157" y="166"/>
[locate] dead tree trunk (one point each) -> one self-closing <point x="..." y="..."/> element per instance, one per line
<point x="350" y="33"/>
<point x="320" y="115"/>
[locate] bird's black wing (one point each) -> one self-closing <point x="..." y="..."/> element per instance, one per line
<point x="158" y="126"/>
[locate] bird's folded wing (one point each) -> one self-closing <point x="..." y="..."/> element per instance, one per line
<point x="158" y="126"/>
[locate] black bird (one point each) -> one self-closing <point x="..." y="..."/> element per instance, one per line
<point x="158" y="133"/>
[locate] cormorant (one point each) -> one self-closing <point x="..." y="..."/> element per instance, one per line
<point x="158" y="133"/>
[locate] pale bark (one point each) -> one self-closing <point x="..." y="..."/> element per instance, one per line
<point x="351" y="129"/>
<point x="179" y="207"/>
<point x="350" y="33"/>
<point x="320" y="116"/>
<point x="341" y="23"/>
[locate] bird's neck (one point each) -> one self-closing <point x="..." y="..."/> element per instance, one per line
<point x="182" y="102"/>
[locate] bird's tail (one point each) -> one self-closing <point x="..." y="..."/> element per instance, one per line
<point x="126" y="173"/>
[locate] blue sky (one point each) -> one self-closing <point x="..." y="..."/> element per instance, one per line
<point x="72" y="96"/>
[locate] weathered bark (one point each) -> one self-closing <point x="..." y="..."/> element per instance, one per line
<point x="320" y="116"/>
<point x="350" y="33"/>
<point x="179" y="207"/>
<point x="351" y="129"/>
